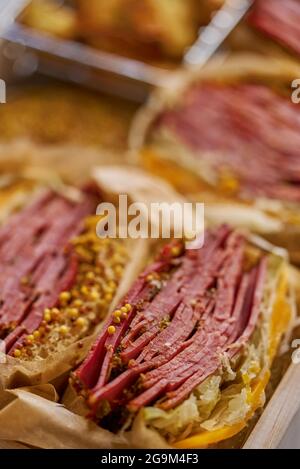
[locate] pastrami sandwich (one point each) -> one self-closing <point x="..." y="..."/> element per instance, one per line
<point x="229" y="136"/>
<point x="58" y="279"/>
<point x="185" y="357"/>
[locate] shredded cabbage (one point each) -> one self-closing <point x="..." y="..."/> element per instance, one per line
<point x="176" y="420"/>
<point x="231" y="409"/>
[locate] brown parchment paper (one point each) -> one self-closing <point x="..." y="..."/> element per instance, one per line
<point x="35" y="418"/>
<point x="32" y="416"/>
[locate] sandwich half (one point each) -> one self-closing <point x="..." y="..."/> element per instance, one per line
<point x="185" y="357"/>
<point x="58" y="280"/>
<point x="229" y="136"/>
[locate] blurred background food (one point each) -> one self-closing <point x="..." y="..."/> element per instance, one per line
<point x="46" y="120"/>
<point x="53" y="17"/>
<point x="146" y="29"/>
<point x="56" y="113"/>
<point x="272" y="27"/>
<point x="278" y="20"/>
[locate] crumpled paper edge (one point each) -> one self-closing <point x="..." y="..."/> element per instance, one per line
<point x="32" y="416"/>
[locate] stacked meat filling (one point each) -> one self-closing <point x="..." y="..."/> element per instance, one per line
<point x="279" y="20"/>
<point x="173" y="328"/>
<point x="54" y="282"/>
<point x="248" y="133"/>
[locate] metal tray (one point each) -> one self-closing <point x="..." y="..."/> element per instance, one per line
<point x="79" y="63"/>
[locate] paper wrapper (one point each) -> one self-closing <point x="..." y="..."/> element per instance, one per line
<point x="33" y="417"/>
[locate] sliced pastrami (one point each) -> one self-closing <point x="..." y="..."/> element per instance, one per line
<point x="66" y="224"/>
<point x="177" y="397"/>
<point x="184" y="283"/>
<point x="21" y="218"/>
<point x="257" y="298"/>
<point x="225" y="296"/>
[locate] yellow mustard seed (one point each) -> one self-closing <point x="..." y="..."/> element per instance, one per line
<point x="24" y="280"/>
<point x="78" y="303"/>
<point x="124" y="309"/>
<point x="81" y="322"/>
<point x="117" y="313"/>
<point x="30" y="337"/>
<point x="117" y="320"/>
<point x="176" y="251"/>
<point x="55" y="313"/>
<point x="63" y="330"/>
<point x="90" y="275"/>
<point x="75" y="294"/>
<point x="108" y="289"/>
<point x="94" y="295"/>
<point x="65" y="296"/>
<point x="73" y="313"/>
<point x="118" y="270"/>
<point x="84" y="290"/>
<point x="124" y="316"/>
<point x="128" y="307"/>
<point x="17" y="353"/>
<point x="108" y="297"/>
<point x="92" y="400"/>
<point x="111" y="330"/>
<point x="37" y="334"/>
<point x="47" y="316"/>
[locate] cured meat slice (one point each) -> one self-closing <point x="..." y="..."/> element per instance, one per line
<point x="51" y="244"/>
<point x="91" y="369"/>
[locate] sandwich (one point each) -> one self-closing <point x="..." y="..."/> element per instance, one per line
<point x="184" y="359"/>
<point x="229" y="136"/>
<point x="59" y="279"/>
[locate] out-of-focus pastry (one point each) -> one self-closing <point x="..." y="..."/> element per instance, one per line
<point x="164" y="28"/>
<point x="51" y="17"/>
